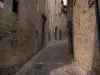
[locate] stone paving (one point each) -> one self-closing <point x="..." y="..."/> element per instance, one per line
<point x="53" y="60"/>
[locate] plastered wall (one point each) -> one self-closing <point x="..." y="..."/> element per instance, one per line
<point x="85" y="35"/>
<point x="20" y="34"/>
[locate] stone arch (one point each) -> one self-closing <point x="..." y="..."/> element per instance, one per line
<point x="56" y="29"/>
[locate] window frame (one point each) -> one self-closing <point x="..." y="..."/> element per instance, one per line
<point x="15" y="10"/>
<point x="1" y="4"/>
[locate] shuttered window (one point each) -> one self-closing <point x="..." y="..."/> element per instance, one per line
<point x="15" y="6"/>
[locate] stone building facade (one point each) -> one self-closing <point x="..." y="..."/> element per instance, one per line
<point x="57" y="20"/>
<point x="85" y="35"/>
<point x="26" y="26"/>
<point x="21" y="30"/>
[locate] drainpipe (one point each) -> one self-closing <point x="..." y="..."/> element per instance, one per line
<point x="97" y="19"/>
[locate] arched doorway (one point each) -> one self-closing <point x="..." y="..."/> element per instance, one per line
<point x="43" y="29"/>
<point x="60" y="35"/>
<point x="43" y="34"/>
<point x="37" y="41"/>
<point x="56" y="33"/>
<point x="49" y="36"/>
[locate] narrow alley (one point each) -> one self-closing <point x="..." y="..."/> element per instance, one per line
<point x="49" y="61"/>
<point x="49" y="37"/>
<point x="53" y="60"/>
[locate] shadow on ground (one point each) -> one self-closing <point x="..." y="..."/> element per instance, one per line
<point x="52" y="61"/>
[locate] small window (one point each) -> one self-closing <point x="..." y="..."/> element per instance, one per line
<point x="2" y="1"/>
<point x="64" y="2"/>
<point x="64" y="6"/>
<point x="1" y="4"/>
<point x="15" y="6"/>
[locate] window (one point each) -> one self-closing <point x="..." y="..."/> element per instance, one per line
<point x="64" y="6"/>
<point x="64" y="2"/>
<point x="2" y="0"/>
<point x="44" y="17"/>
<point x="1" y="4"/>
<point x="15" y="6"/>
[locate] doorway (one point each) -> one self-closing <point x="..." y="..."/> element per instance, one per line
<point x="43" y="34"/>
<point x="60" y="35"/>
<point x="49" y="36"/>
<point x="43" y="29"/>
<point x="56" y="33"/>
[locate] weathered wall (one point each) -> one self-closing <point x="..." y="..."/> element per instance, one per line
<point x="21" y="39"/>
<point x="85" y="35"/>
<point x="56" y="18"/>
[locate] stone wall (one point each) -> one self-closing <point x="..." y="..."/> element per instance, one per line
<point x="56" y="18"/>
<point x="20" y="35"/>
<point x="85" y="35"/>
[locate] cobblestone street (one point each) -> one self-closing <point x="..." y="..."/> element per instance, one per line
<point x="53" y="60"/>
